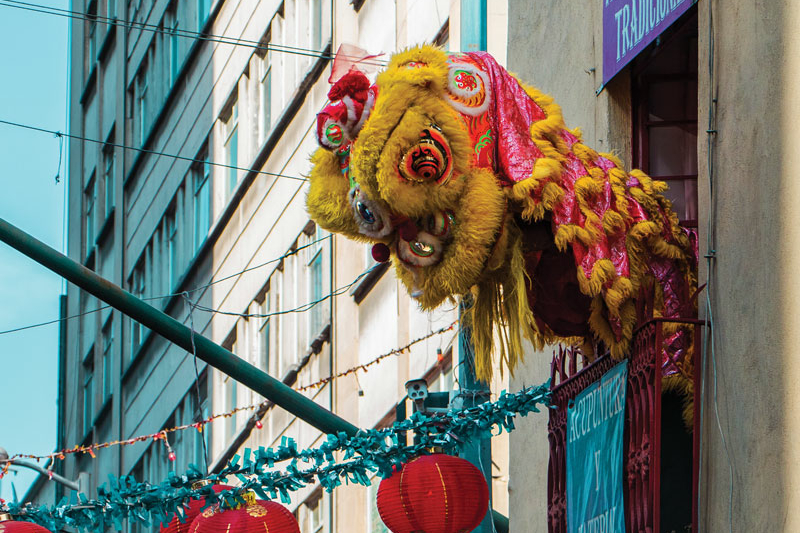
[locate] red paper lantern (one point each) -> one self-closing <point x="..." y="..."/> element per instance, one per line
<point x="192" y="510"/>
<point x="257" y="516"/>
<point x="7" y="525"/>
<point x="434" y="493"/>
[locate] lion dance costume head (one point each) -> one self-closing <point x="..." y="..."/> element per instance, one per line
<point x="471" y="183"/>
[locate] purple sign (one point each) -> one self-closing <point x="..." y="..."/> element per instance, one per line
<point x="630" y="25"/>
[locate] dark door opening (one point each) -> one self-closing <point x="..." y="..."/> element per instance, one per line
<point x="664" y="97"/>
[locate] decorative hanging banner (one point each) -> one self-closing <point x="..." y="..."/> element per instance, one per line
<point x="630" y="25"/>
<point x="595" y="426"/>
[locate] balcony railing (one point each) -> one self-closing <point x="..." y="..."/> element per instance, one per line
<point x="571" y="373"/>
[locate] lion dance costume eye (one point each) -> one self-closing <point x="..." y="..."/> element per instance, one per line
<point x="430" y="160"/>
<point x="473" y="183"/>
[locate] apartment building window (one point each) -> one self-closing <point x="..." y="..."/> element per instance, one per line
<point x="88" y="390"/>
<point x="276" y="325"/>
<point x="142" y="87"/>
<point x="137" y="285"/>
<point x="201" y="412"/>
<point x="665" y="117"/>
<point x="230" y="386"/>
<point x="231" y="148"/>
<point x="108" y="175"/>
<point x="90" y="201"/>
<point x="263" y="336"/>
<point x="108" y="347"/>
<point x="203" y="9"/>
<point x="316" y="24"/>
<point x="201" y="186"/>
<point x="315" y="276"/>
<point x="91" y="32"/>
<point x="171" y="238"/>
<point x="111" y="9"/>
<point x="278" y="61"/>
<point x="265" y="97"/>
<point x="312" y="511"/>
<point x="171" y="24"/>
<point x="230" y="396"/>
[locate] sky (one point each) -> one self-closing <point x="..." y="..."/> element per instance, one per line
<point x="33" y="84"/>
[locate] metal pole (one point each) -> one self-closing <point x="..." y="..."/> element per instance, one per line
<point x="176" y="332"/>
<point x="49" y="473"/>
<point x="474" y="392"/>
<point x="74" y="485"/>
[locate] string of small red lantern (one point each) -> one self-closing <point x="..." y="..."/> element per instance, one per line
<point x="162" y="435"/>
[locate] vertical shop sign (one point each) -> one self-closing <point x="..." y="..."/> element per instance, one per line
<point x="630" y="25"/>
<point x="595" y="428"/>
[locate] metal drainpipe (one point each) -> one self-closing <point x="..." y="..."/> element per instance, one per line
<point x="332" y="337"/>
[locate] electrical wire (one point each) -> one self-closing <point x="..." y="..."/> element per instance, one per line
<point x="200" y="36"/>
<point x="711" y="256"/>
<point x="300" y="309"/>
<point x="169" y="295"/>
<point x="152" y="152"/>
<point x="151" y="298"/>
<point x="199" y="424"/>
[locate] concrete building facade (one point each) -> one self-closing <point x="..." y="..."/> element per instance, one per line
<point x="187" y="189"/>
<point x="738" y="89"/>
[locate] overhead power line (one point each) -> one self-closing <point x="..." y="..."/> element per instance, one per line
<point x="152" y="152"/>
<point x="38" y="8"/>
<point x="304" y="307"/>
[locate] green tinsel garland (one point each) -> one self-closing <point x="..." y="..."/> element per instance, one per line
<point x="370" y="451"/>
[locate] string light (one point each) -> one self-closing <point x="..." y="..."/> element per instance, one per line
<point x="199" y="425"/>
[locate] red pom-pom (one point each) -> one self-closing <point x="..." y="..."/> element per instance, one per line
<point x="354" y="84"/>
<point x="380" y="252"/>
<point x="259" y="425"/>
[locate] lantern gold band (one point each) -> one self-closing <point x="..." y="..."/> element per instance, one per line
<point x="5" y="517"/>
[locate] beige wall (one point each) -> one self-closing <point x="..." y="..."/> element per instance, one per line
<point x="556" y="48"/>
<point x="755" y="485"/>
<point x="754" y="292"/>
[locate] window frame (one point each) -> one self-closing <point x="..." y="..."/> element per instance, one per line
<point x="142" y="85"/>
<point x="109" y="165"/>
<point x="171" y="245"/>
<point x="644" y="77"/>
<point x="90" y="205"/>
<point x="202" y="195"/>
<point x="171" y="26"/>
<point x="265" y="97"/>
<point x="107" y="357"/>
<point x="230" y="147"/>
<point x="88" y="389"/>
